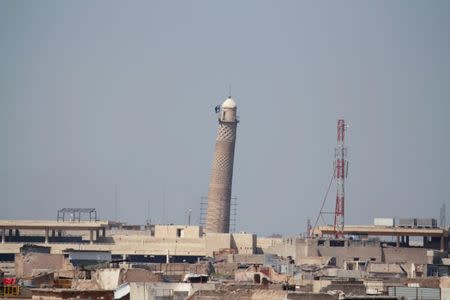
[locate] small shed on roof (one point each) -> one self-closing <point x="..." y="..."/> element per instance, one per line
<point x="88" y="257"/>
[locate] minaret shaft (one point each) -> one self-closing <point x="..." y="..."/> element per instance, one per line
<point x="219" y="193"/>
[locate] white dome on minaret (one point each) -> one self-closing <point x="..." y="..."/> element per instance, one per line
<point x="229" y="103"/>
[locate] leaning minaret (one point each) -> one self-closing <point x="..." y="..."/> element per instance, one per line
<point x="219" y="193"/>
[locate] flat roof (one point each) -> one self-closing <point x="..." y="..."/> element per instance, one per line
<point x="65" y="290"/>
<point x="383" y="231"/>
<point x="47" y="224"/>
<point x="86" y="251"/>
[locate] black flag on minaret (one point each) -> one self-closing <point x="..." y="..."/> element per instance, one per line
<point x="217" y="109"/>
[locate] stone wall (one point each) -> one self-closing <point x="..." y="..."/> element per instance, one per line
<point x="287" y="247"/>
<point x="369" y="253"/>
<point x="256" y="294"/>
<point x="216" y="242"/>
<point x="33" y="263"/>
<point x="160" y="289"/>
<point x="244" y="243"/>
<point x="246" y="258"/>
<point x="264" y="243"/>
<point x="409" y="255"/>
<point x="177" y="231"/>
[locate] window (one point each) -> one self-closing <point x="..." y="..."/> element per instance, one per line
<point x="337" y="243"/>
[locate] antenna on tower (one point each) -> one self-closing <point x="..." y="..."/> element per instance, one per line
<point x="340" y="171"/>
<point x="341" y="167"/>
<point x="229" y="90"/>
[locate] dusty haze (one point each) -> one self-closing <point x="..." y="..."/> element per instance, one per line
<point x="94" y="94"/>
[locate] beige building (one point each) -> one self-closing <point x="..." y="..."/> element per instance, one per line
<point x="161" y="240"/>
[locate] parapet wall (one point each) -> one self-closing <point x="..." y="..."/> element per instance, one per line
<point x="410" y="255"/>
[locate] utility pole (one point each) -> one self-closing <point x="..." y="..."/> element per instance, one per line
<point x="443" y="214"/>
<point x="115" y="202"/>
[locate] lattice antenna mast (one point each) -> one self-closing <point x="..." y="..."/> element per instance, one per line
<point x="341" y="171"/>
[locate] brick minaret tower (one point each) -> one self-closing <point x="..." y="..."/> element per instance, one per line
<point x="219" y="193"/>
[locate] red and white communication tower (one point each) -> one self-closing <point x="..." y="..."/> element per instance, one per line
<point x="340" y="173"/>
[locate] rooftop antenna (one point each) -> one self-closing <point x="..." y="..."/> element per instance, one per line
<point x="148" y="211"/>
<point x="229" y="90"/>
<point x="115" y="202"/>
<point x="443" y="214"/>
<point x="164" y="204"/>
<point x="189" y="216"/>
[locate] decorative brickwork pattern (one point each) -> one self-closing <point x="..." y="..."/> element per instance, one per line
<point x="219" y="192"/>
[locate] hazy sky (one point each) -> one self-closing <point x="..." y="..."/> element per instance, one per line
<point x="98" y="93"/>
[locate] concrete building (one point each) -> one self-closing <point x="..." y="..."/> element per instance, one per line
<point x="10" y="230"/>
<point x="72" y="294"/>
<point x="161" y="243"/>
<point x="357" y="255"/>
<point x="432" y="237"/>
<point x="167" y="290"/>
<point x="219" y="193"/>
